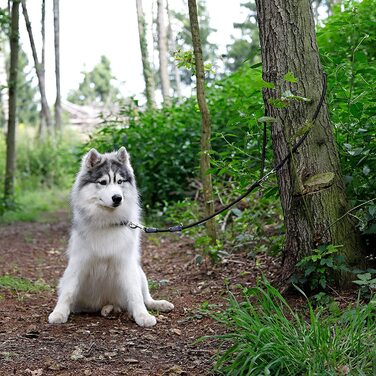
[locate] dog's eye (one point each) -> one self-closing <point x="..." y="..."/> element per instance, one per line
<point x="102" y="182"/>
<point x="120" y="181"/>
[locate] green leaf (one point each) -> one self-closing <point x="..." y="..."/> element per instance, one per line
<point x="288" y="95"/>
<point x="365" y="276"/>
<point x="257" y="65"/>
<point x="289" y="77"/>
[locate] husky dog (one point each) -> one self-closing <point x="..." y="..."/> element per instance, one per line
<point x="104" y="271"/>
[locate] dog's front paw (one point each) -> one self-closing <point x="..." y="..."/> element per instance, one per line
<point x="160" y="305"/>
<point x="145" y="320"/>
<point x="58" y="317"/>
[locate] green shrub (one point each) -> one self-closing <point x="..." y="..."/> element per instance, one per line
<point x="316" y="271"/>
<point x="164" y="143"/>
<point x="346" y="43"/>
<point x="265" y="336"/>
<point x="42" y="163"/>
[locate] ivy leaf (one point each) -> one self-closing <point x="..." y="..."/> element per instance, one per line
<point x="289" y="77"/>
<point x="288" y="95"/>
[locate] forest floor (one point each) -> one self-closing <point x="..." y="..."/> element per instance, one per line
<point x="93" y="345"/>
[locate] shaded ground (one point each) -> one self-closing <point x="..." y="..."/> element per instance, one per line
<point x="92" y="345"/>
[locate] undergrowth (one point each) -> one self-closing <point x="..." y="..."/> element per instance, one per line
<point x="265" y="336"/>
<point x="34" y="206"/>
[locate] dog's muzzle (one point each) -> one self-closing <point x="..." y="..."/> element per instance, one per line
<point x="116" y="200"/>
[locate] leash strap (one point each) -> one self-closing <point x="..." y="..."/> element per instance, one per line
<point x="180" y="228"/>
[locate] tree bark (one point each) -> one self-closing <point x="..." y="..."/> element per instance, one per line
<point x="12" y="112"/>
<point x="41" y="80"/>
<point x="58" y="124"/>
<point x="311" y="187"/>
<point x="147" y="71"/>
<point x="162" y="49"/>
<point x="206" y="121"/>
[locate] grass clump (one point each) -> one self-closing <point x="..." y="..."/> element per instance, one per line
<point x="32" y="206"/>
<point x="267" y="337"/>
<point x="18" y="284"/>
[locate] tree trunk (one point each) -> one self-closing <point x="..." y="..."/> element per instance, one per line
<point x="58" y="124"/>
<point x="147" y="71"/>
<point x="172" y="47"/>
<point x="311" y="187"/>
<point x="162" y="49"/>
<point x="12" y="85"/>
<point x="206" y="122"/>
<point x="41" y="81"/>
<point x="3" y="90"/>
<point x="42" y="117"/>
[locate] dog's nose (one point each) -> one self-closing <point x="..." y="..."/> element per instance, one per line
<point x="116" y="199"/>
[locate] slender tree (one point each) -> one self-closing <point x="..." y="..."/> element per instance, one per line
<point x="147" y="71"/>
<point x="311" y="187"/>
<point x="3" y="89"/>
<point x="162" y="49"/>
<point x="206" y="122"/>
<point x="173" y="47"/>
<point x="41" y="81"/>
<point x="12" y="112"/>
<point x="58" y="124"/>
<point x="42" y="117"/>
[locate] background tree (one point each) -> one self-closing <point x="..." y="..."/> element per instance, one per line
<point x="39" y="71"/>
<point x="58" y="124"/>
<point x="163" y="52"/>
<point x="246" y="48"/>
<point x="42" y="115"/>
<point x="184" y="37"/>
<point x="4" y="32"/>
<point x="27" y="102"/>
<point x="96" y="87"/>
<point x="12" y="113"/>
<point x="146" y="67"/>
<point x="206" y="123"/>
<point x="311" y="187"/>
<point x="171" y="39"/>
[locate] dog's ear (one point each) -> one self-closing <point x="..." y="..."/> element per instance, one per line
<point x="92" y="158"/>
<point x="122" y="155"/>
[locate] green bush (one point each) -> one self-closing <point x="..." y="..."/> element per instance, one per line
<point x="45" y="171"/>
<point x="164" y="143"/>
<point x="42" y="163"/>
<point x="265" y="336"/>
<point x="347" y="46"/>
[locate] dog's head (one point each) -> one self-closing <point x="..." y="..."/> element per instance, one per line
<point x="106" y="181"/>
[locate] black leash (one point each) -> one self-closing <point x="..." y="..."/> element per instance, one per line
<point x="179" y="228"/>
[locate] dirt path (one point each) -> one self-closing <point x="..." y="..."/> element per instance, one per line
<point x="92" y="345"/>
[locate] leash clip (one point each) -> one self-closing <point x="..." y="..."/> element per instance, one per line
<point x="133" y="226"/>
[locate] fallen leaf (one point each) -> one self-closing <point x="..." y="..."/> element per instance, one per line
<point x="176" y="331"/>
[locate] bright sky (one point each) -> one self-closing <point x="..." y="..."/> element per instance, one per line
<point x="91" y="28"/>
